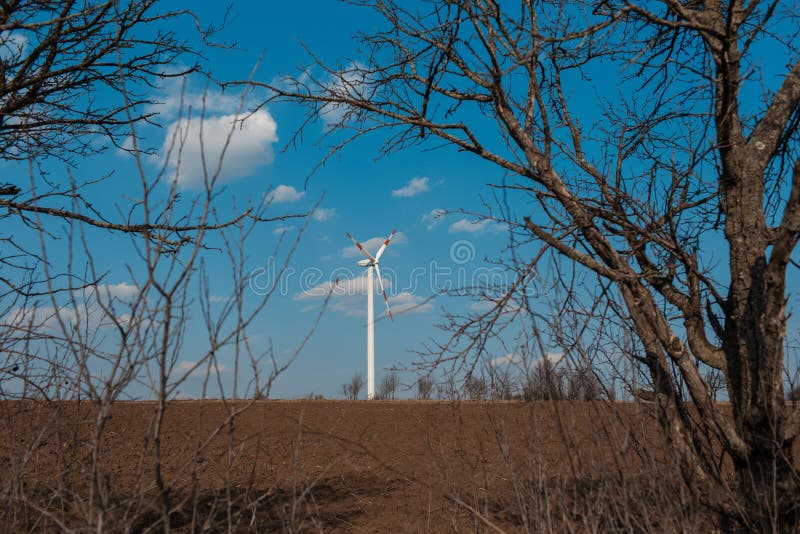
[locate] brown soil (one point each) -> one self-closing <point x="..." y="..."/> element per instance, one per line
<point x="404" y="466"/>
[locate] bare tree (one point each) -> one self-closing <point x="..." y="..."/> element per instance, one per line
<point x="424" y="388"/>
<point x="715" y="381"/>
<point x="680" y="148"/>
<point x="56" y="56"/>
<point x="352" y="389"/>
<point x="388" y="387"/>
<point x="475" y="388"/>
<point x="75" y="78"/>
<point x="545" y="381"/>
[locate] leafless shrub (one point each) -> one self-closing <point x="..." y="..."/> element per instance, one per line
<point x="544" y="382"/>
<point x="715" y="380"/>
<point x="476" y="388"/>
<point x="424" y="388"/>
<point x="388" y="387"/>
<point x="352" y="389"/>
<point x="503" y="385"/>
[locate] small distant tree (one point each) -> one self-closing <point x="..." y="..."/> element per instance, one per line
<point x="544" y="382"/>
<point x="582" y="384"/>
<point x="715" y="380"/>
<point x="794" y="393"/>
<point x="388" y="387"/>
<point x="424" y="388"/>
<point x="352" y="389"/>
<point x="502" y="386"/>
<point x="475" y="388"/>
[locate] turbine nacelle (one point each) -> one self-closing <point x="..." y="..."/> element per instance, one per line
<point x="366" y="263"/>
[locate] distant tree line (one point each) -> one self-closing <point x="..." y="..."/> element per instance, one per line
<point x="545" y="381"/>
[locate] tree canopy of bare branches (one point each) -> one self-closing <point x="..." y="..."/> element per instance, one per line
<point x="77" y="78"/>
<point x="72" y="70"/>
<point x="654" y="145"/>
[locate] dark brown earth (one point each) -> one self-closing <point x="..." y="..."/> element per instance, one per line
<point x="380" y="466"/>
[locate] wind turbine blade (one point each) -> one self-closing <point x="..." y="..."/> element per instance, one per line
<point x="362" y="249"/>
<point x="385" y="244"/>
<point x="385" y="300"/>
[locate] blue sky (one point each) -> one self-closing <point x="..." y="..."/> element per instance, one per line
<point x="366" y="196"/>
<point x="362" y="194"/>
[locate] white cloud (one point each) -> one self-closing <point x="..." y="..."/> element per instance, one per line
<point x="372" y="245"/>
<point x="433" y="217"/>
<point x="505" y="360"/>
<point x="409" y="303"/>
<point x="247" y="143"/>
<point x="414" y="187"/>
<point x="283" y="193"/>
<point x="346" y="287"/>
<point x="347" y="297"/>
<point x="475" y="227"/>
<point x="194" y="369"/>
<point x="179" y="93"/>
<point x="13" y="46"/>
<point x="45" y="318"/>
<point x="283" y="229"/>
<point x="352" y="82"/>
<point x="50" y="319"/>
<point x="323" y="214"/>
<point x="123" y="292"/>
<point x="554" y="357"/>
<point x="482" y="305"/>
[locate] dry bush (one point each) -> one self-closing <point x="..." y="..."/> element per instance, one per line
<point x="388" y="387"/>
<point x="424" y="388"/>
<point x="351" y="390"/>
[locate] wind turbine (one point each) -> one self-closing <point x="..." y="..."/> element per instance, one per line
<point x="371" y="263"/>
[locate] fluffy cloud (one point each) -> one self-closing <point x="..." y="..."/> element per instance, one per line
<point x="108" y="293"/>
<point x="351" y="82"/>
<point x="50" y="319"/>
<point x="475" y="227"/>
<point x="372" y="245"/>
<point x="186" y="112"/>
<point x="433" y="217"/>
<point x="409" y="303"/>
<point x="323" y="214"/>
<point x="195" y="369"/>
<point x="482" y="305"/>
<point x="45" y="318"/>
<point x="283" y="229"/>
<point x="283" y="193"/>
<point x="246" y="142"/>
<point x="179" y="93"/>
<point x="414" y="187"/>
<point x="13" y="45"/>
<point x="347" y="297"/>
<point x="505" y="360"/>
<point x="122" y="291"/>
<point x="346" y="287"/>
<point x="554" y="357"/>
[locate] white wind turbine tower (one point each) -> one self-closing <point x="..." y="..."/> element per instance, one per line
<point x="371" y="263"/>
